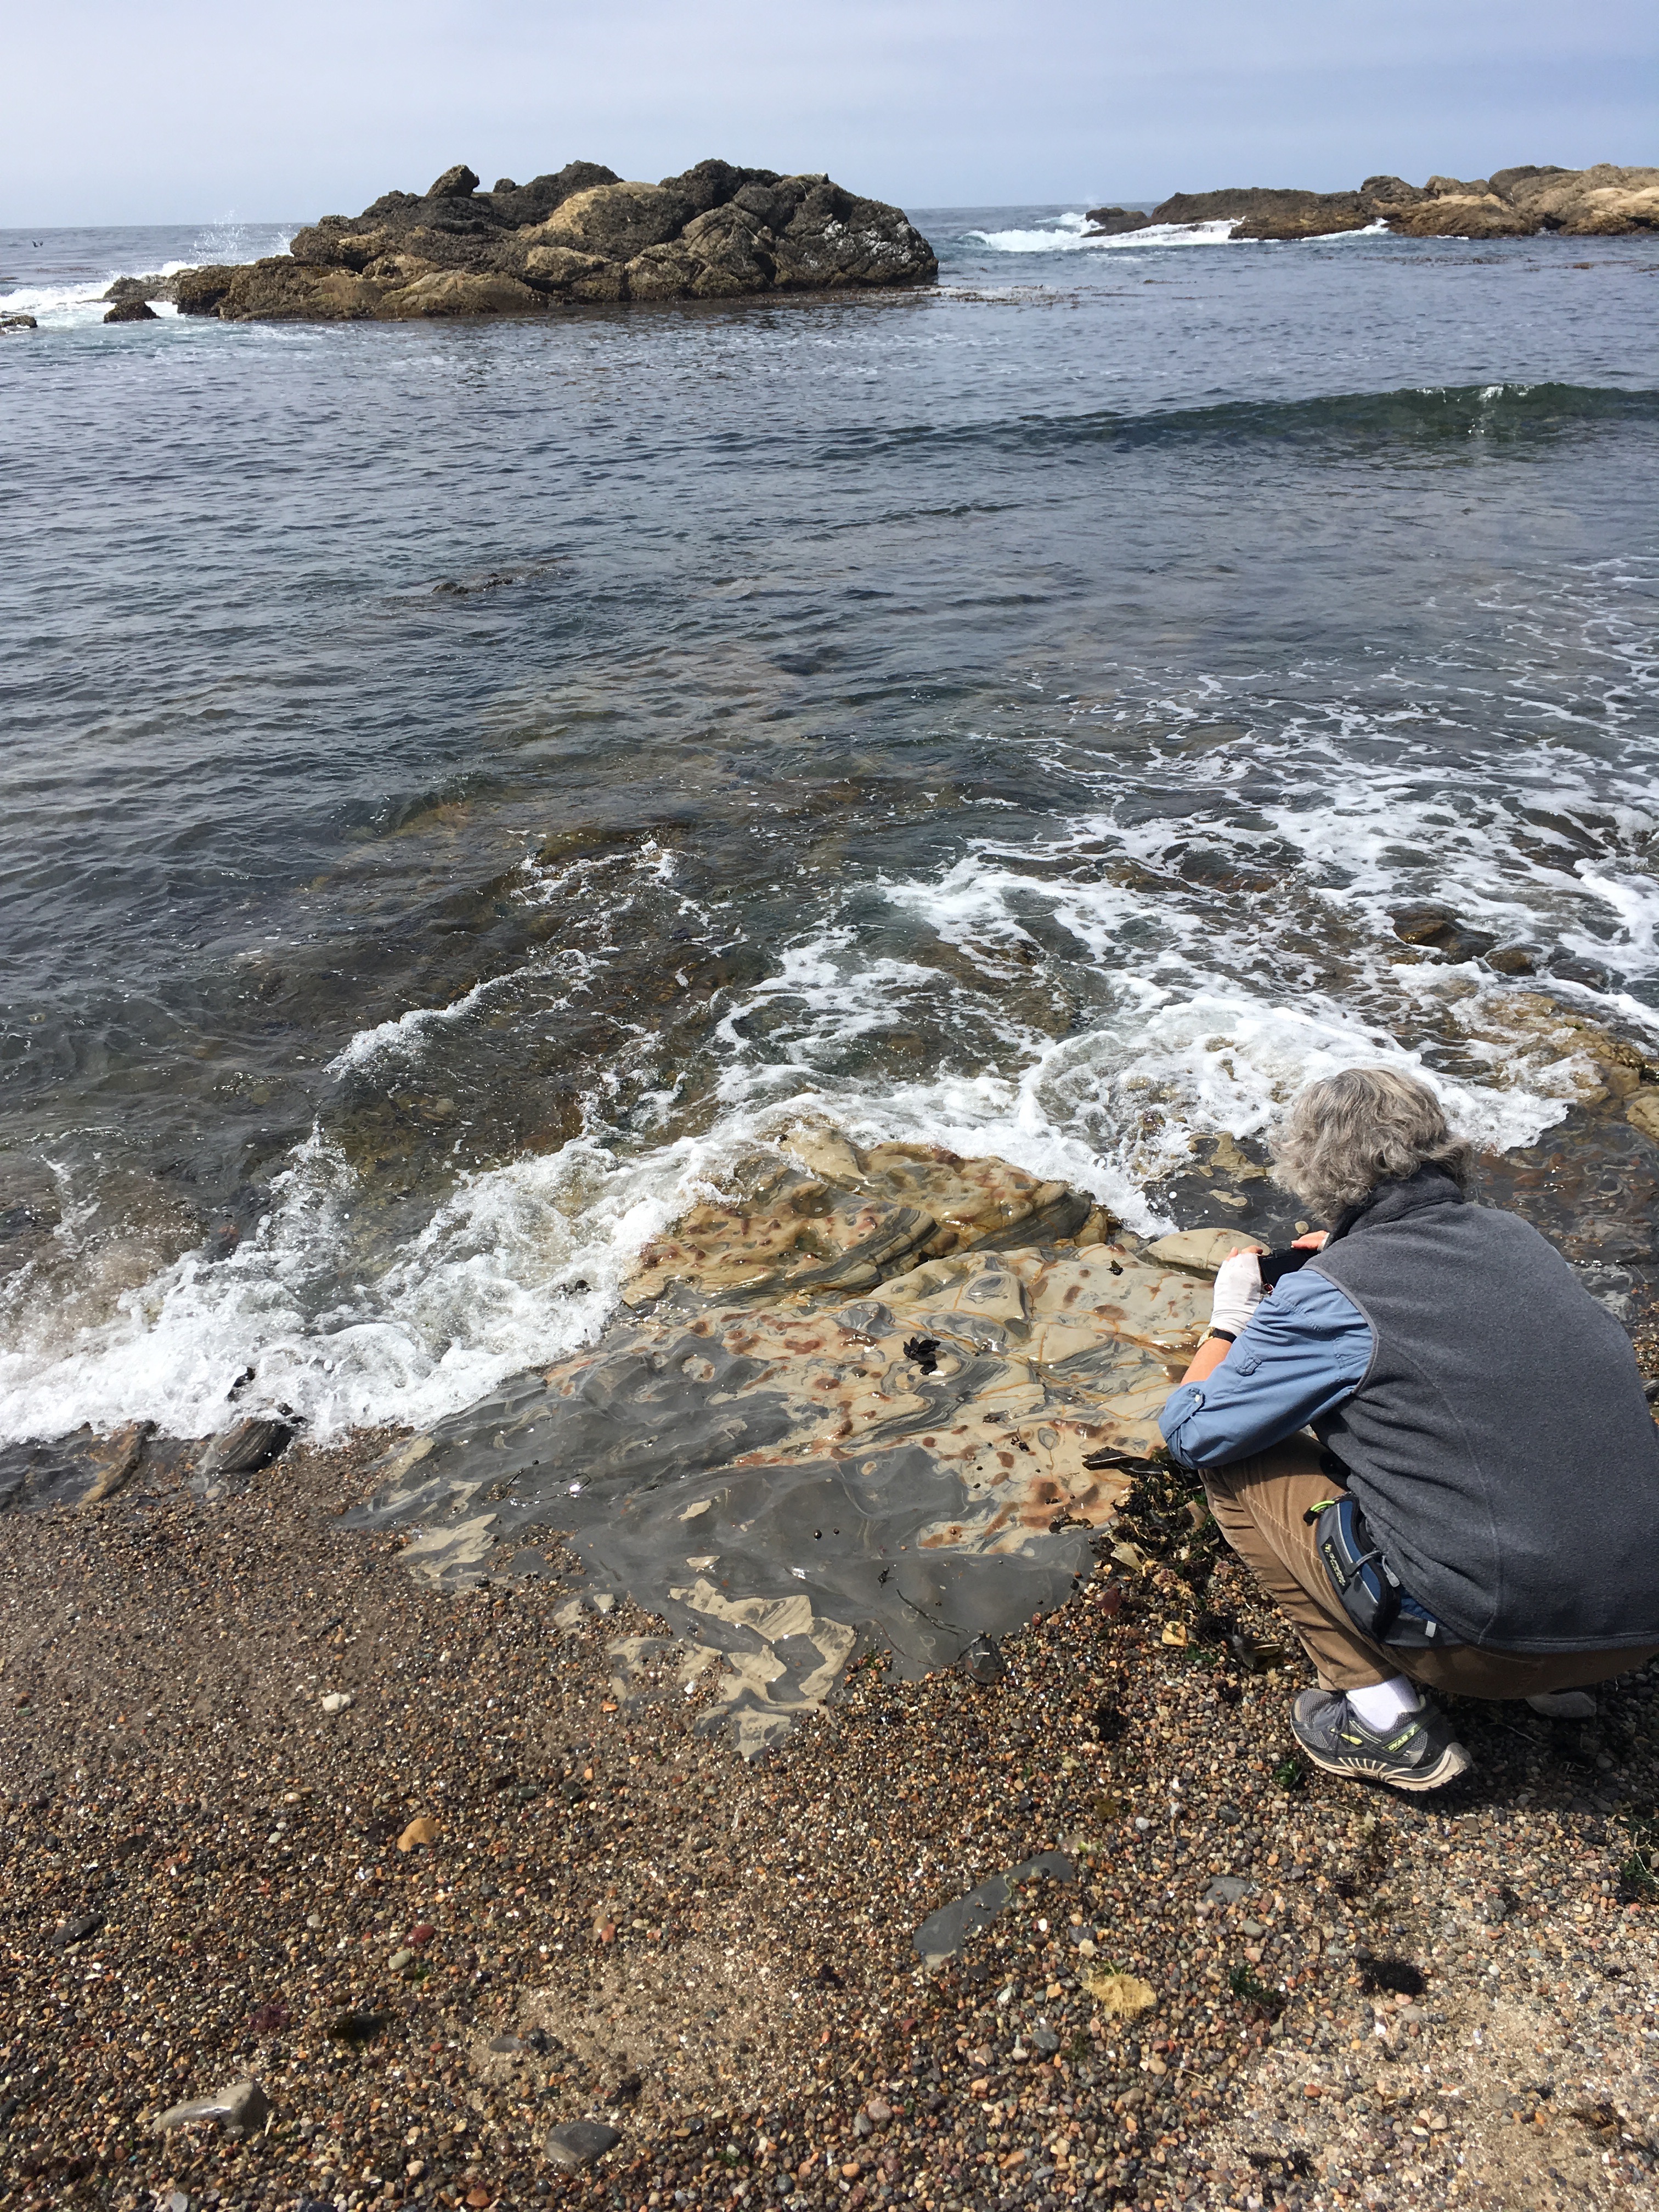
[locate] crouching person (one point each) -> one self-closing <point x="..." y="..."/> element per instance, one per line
<point x="1479" y="1513"/>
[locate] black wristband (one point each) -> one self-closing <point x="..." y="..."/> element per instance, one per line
<point x="1225" y="1334"/>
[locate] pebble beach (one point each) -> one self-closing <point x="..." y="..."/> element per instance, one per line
<point x="443" y="1876"/>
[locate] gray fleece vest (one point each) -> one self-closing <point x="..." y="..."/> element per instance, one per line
<point x="1500" y="1444"/>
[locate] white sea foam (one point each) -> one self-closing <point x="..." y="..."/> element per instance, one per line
<point x="1067" y="234"/>
<point x="1093" y="1005"/>
<point x="64" y="307"/>
<point x="525" y="1262"/>
<point x="67" y="306"/>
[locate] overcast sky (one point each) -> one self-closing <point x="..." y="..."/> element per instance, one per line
<point x="182" y="111"/>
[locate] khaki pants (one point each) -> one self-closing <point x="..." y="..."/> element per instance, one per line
<point x="1259" y="1505"/>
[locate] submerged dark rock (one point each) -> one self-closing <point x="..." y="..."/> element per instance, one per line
<point x="131" y="310"/>
<point x="579" y="235"/>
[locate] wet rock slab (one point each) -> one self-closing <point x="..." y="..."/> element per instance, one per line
<point x="786" y="1474"/>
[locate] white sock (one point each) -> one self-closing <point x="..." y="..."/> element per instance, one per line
<point x="1380" y="1705"/>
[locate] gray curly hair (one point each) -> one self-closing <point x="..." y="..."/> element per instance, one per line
<point x="1346" y="1133"/>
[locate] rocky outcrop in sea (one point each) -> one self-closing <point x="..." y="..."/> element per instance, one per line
<point x="1603" y="202"/>
<point x="586" y="234"/>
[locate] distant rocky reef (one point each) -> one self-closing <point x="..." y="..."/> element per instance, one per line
<point x="1605" y="201"/>
<point x="715" y="233"/>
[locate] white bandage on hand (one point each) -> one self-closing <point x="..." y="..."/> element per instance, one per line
<point x="1239" y="1292"/>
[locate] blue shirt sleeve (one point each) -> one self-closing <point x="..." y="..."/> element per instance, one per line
<point x="1306" y="1349"/>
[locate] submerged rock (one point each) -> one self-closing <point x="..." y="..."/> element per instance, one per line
<point x="583" y="235"/>
<point x="131" y="310"/>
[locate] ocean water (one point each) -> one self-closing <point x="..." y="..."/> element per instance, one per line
<point x="465" y="788"/>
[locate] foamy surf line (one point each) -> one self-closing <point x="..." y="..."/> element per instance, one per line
<point x="70" y="306"/>
<point x="76" y="304"/>
<point x="1070" y="235"/>
<point x="521" y="1264"/>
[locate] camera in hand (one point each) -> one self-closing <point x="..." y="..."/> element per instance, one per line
<point x="1284" y="1261"/>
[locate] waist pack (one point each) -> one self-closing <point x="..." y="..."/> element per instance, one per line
<point x="1372" y="1594"/>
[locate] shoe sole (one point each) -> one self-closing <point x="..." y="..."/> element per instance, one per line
<point x="1453" y="1761"/>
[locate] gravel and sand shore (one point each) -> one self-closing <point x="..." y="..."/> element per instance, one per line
<point x="615" y="1920"/>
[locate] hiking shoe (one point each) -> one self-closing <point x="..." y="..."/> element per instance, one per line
<point x="1419" y="1752"/>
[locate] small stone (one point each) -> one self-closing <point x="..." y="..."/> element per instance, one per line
<point x="356" y="2027"/>
<point x="336" y="1701"/>
<point x="1045" y="2039"/>
<point x="425" y="1829"/>
<point x="880" y="2111"/>
<point x="422" y="1934"/>
<point x="76" y="1931"/>
<point x="981" y="1662"/>
<point x="863" y="2125"/>
<point x="604" y="1603"/>
<point x="415" y="2168"/>
<point x="1230" y="1889"/>
<point x="579" y="2143"/>
<point x="1253" y="1928"/>
<point x="251" y="1445"/>
<point x="401" y="1961"/>
<point x="240" y="2109"/>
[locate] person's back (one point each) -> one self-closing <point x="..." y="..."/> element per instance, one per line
<point x="1483" y="1516"/>
<point x="1500" y="1443"/>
